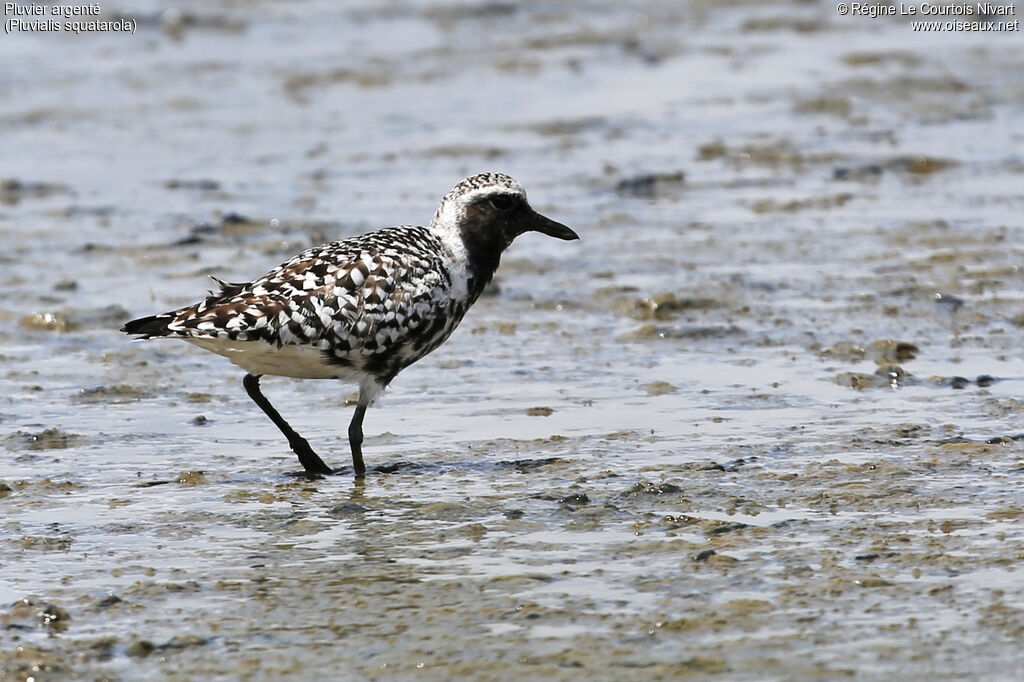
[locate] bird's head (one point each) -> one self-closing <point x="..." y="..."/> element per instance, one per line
<point x="489" y="210"/>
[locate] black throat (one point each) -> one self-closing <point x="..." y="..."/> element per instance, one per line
<point x="485" y="239"/>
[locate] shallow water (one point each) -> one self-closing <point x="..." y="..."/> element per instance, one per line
<point x="761" y="422"/>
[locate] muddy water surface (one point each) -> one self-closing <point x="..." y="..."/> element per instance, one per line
<point x="762" y="422"/>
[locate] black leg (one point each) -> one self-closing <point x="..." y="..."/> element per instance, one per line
<point x="310" y="461"/>
<point x="355" y="438"/>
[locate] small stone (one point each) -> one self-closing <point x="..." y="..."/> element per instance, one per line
<point x="54" y="617"/>
<point x="141" y="649"/>
<point x="191" y="478"/>
<point x="704" y="555"/>
<point x="49" y="322"/>
<point x="346" y="509"/>
<point x="721" y="527"/>
<point x="656" y="388"/>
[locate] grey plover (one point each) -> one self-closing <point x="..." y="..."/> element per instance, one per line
<point x="361" y="309"/>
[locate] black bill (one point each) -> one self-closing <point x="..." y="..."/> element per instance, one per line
<point x="547" y="226"/>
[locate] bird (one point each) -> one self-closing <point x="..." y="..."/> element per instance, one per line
<point x="360" y="309"/>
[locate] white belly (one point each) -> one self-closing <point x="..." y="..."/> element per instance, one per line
<point x="259" y="357"/>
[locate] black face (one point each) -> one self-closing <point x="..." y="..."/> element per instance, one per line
<point x="500" y="216"/>
<point x="504" y="203"/>
<point x="491" y="222"/>
<point x="509" y="216"/>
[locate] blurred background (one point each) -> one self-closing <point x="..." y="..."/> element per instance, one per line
<point x="761" y="422"/>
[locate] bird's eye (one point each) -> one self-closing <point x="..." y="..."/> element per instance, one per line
<point x="503" y="202"/>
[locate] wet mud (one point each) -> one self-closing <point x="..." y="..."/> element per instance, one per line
<point x="763" y="421"/>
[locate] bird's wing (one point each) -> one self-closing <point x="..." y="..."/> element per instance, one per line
<point x="356" y="295"/>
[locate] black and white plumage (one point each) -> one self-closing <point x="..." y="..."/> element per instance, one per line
<point x="361" y="309"/>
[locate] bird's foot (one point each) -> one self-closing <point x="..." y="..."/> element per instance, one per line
<point x="310" y="461"/>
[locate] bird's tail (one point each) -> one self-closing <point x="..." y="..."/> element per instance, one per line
<point x="148" y="327"/>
